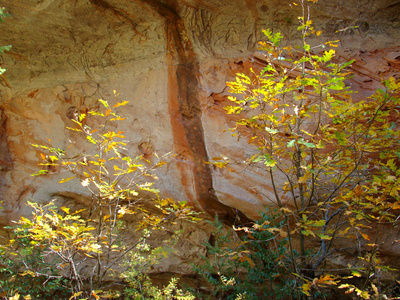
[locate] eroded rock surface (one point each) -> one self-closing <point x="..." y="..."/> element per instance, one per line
<point x="171" y="60"/>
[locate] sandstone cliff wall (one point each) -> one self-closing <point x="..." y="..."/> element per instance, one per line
<point x="171" y="60"/>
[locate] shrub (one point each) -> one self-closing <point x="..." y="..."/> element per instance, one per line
<point x="247" y="265"/>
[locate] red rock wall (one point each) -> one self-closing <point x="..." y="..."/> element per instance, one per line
<point x="171" y="60"/>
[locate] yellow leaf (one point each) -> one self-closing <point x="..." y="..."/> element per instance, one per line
<point x="363" y="294"/>
<point x="286" y="210"/>
<point x="81" y="117"/>
<point x="325" y="237"/>
<point x="73" y="129"/>
<point x="306" y="288"/>
<point x="280" y="230"/>
<point x="66" y="209"/>
<point x="15" y="297"/>
<point x="28" y="272"/>
<point x="282" y="233"/>
<point x="75" y="295"/>
<point x="305" y="177"/>
<point x="375" y="289"/>
<point x="66" y="179"/>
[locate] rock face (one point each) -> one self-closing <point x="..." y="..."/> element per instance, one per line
<point x="171" y="59"/>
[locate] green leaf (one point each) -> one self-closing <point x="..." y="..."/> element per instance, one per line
<point x="5" y="48"/>
<point x="291" y="143"/>
<point x="273" y="38"/>
<point x="269" y="162"/>
<point x="271" y="131"/>
<point x="324" y="237"/>
<point x="258" y="158"/>
<point x="320" y="145"/>
<point x="307" y="144"/>
<point x="356" y="273"/>
<point x="41" y="172"/>
<point x="318" y="223"/>
<point x="346" y="64"/>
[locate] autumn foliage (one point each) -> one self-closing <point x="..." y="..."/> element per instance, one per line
<point x="81" y="250"/>
<point x="328" y="219"/>
<point x="339" y="159"/>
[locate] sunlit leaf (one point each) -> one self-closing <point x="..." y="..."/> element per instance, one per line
<point x="121" y="104"/>
<point x="105" y="103"/>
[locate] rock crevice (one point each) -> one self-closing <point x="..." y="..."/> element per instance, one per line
<point x="186" y="115"/>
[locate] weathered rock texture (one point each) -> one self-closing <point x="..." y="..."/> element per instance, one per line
<point x="171" y="60"/>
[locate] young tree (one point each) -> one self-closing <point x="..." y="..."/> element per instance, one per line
<point x="339" y="157"/>
<point x="86" y="247"/>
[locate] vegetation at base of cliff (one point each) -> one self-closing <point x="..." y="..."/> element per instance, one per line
<point x="247" y="268"/>
<point x="332" y="164"/>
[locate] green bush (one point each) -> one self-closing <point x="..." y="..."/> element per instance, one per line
<point x="246" y="262"/>
<point x="25" y="270"/>
<point x="139" y="264"/>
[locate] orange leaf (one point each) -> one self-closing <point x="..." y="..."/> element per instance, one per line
<point x="121" y="104"/>
<point x="94" y="294"/>
<point x="365" y="236"/>
<point x="358" y="191"/>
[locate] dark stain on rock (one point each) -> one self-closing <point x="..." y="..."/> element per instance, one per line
<point x="120" y="14"/>
<point x="6" y="163"/>
<point x="185" y="112"/>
